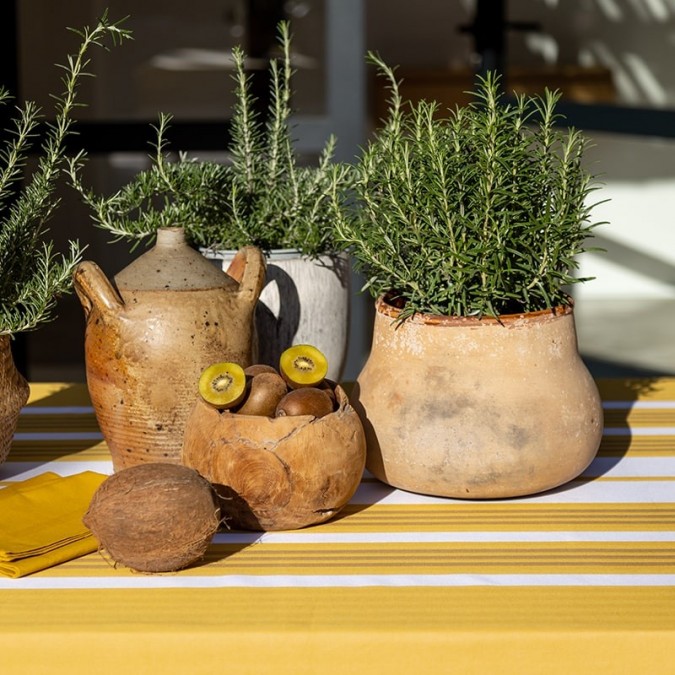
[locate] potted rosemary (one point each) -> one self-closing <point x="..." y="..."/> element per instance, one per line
<point x="263" y="197"/>
<point x="32" y="274"/>
<point x="467" y="228"/>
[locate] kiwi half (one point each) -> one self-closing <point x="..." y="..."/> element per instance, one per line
<point x="303" y="366"/>
<point x="305" y="401"/>
<point x="223" y="385"/>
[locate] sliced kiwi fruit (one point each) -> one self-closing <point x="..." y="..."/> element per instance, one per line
<point x="265" y="391"/>
<point x="303" y="366"/>
<point x="223" y="385"/>
<point x="305" y="401"/>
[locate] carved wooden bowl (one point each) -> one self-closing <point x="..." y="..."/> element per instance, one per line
<point x="278" y="473"/>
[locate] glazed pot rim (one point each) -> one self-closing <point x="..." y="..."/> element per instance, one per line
<point x="275" y="254"/>
<point x="382" y="306"/>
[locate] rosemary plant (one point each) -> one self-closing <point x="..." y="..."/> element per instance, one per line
<point x="32" y="274"/>
<point x="263" y="196"/>
<point x="480" y="212"/>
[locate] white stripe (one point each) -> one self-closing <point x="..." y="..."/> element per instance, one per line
<point x="373" y="491"/>
<point x="639" y="431"/>
<point x="57" y="410"/>
<point x="631" y="467"/>
<point x="627" y="405"/>
<point x="307" y="537"/>
<point x="47" y="436"/>
<point x="338" y="581"/>
<point x="600" y="492"/>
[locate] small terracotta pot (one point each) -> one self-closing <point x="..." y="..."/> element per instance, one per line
<point x="15" y="393"/>
<point x="277" y="473"/>
<point x="477" y="408"/>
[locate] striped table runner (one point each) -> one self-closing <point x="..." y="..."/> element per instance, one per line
<point x="579" y="579"/>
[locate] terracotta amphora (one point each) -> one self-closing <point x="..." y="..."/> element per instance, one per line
<point x="15" y="393"/>
<point x="147" y="341"/>
<point x="477" y="408"/>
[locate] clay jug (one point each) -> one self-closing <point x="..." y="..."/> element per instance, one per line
<point x="146" y="342"/>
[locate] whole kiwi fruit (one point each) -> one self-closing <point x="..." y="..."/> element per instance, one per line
<point x="305" y="401"/>
<point x="265" y="391"/>
<point x="257" y="368"/>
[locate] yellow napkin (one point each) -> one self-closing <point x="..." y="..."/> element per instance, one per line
<point x="41" y="521"/>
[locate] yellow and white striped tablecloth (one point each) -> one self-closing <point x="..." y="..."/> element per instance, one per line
<point x="577" y="580"/>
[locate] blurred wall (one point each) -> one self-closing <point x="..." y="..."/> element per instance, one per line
<point x="178" y="63"/>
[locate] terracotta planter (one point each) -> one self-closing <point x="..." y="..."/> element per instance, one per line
<point x="147" y="341"/>
<point x="15" y="393"/>
<point x="277" y="473"/>
<point x="304" y="301"/>
<point x="477" y="408"/>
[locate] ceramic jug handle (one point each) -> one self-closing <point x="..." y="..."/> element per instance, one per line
<point x="94" y="290"/>
<point x="248" y="269"/>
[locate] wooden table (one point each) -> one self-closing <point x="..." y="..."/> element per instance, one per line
<point x="577" y="580"/>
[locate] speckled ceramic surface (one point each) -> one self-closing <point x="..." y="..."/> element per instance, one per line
<point x="147" y="341"/>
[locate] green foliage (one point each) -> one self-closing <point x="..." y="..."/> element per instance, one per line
<point x="261" y="197"/>
<point x="481" y="212"/>
<point x="32" y="274"/>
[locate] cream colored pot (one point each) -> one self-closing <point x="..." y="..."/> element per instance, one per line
<point x="477" y="408"/>
<point x="304" y="301"/>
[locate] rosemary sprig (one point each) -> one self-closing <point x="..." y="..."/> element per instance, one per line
<point x="262" y="196"/>
<point x="481" y="212"/>
<point x="32" y="274"/>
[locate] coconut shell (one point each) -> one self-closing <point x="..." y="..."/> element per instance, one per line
<point x="277" y="473"/>
<point x="154" y="517"/>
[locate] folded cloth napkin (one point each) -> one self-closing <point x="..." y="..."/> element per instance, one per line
<point x="41" y="521"/>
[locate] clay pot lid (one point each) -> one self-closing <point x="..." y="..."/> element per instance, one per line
<point x="172" y="265"/>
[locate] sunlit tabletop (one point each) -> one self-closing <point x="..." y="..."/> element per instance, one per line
<point x="577" y="580"/>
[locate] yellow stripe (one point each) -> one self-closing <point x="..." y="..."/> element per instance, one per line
<point x="645" y="389"/>
<point x="511" y="631"/>
<point x="58" y="394"/>
<point x="57" y="423"/>
<point x="413" y="558"/>
<point x="71" y="450"/>
<point x="640" y="417"/>
<point x="637" y="446"/>
<point x="484" y="517"/>
<point x="642" y="389"/>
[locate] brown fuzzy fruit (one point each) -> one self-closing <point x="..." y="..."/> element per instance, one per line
<point x="266" y="390"/>
<point x="329" y="387"/>
<point x="305" y="401"/>
<point x="154" y="517"/>
<point x="258" y="368"/>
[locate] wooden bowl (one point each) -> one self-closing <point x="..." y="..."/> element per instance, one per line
<point x="278" y="473"/>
